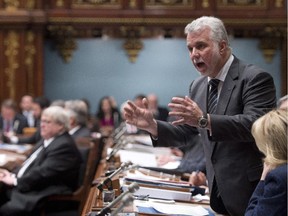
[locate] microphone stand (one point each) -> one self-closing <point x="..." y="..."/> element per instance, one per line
<point x="108" y="181"/>
<point x="127" y="199"/>
<point x="131" y="189"/>
<point x="116" y="148"/>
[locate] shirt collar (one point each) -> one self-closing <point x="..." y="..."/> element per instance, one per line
<point x="73" y="130"/>
<point x="224" y="71"/>
<point x="47" y="142"/>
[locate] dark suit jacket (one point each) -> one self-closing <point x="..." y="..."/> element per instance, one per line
<point x="232" y="157"/>
<point x="81" y="132"/>
<point x="270" y="195"/>
<point x="193" y="158"/>
<point x="162" y="114"/>
<point x="54" y="171"/>
<point x="19" y="123"/>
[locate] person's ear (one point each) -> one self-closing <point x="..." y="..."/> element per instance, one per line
<point x="222" y="47"/>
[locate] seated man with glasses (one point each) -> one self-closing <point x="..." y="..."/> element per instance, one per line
<point x="52" y="168"/>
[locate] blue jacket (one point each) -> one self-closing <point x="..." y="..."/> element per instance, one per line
<point x="270" y="195"/>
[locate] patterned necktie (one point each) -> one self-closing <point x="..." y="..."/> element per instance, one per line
<point x="213" y="95"/>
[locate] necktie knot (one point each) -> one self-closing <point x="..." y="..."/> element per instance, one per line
<point x="214" y="83"/>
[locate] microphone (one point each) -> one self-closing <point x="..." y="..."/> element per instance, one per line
<point x="119" y="131"/>
<point x="116" y="148"/>
<point x="131" y="189"/>
<point x="108" y="180"/>
<point x="127" y="199"/>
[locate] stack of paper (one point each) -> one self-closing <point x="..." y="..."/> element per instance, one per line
<point x="169" y="209"/>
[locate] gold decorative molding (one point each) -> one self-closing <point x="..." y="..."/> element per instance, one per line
<point x="59" y="3"/>
<point x="279" y="3"/>
<point x="89" y="4"/>
<point x="205" y="3"/>
<point x="11" y="43"/>
<point x="240" y="4"/>
<point x="133" y="45"/>
<point x="30" y="52"/>
<point x="159" y="21"/>
<point x="269" y="42"/>
<point x="63" y="37"/>
<point x="132" y="4"/>
<point x="30" y="4"/>
<point x="170" y="4"/>
<point x="11" y="5"/>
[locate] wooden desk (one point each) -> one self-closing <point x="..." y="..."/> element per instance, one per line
<point x="12" y="157"/>
<point x="94" y="203"/>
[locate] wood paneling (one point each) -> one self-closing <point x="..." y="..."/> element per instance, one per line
<point x="25" y="23"/>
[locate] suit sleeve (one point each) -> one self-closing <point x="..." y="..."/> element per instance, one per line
<point x="176" y="136"/>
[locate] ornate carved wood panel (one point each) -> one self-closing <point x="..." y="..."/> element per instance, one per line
<point x="24" y="24"/>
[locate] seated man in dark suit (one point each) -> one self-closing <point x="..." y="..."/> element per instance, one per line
<point x="38" y="105"/>
<point x="191" y="160"/>
<point x="160" y="113"/>
<point x="78" y="113"/>
<point x="52" y="168"/>
<point x="11" y="122"/>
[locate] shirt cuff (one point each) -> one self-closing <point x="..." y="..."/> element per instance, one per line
<point x="14" y="139"/>
<point x="15" y="182"/>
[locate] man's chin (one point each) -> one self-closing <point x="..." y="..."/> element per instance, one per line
<point x="202" y="73"/>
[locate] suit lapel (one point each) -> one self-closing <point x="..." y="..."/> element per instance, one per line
<point x="200" y="86"/>
<point x="227" y="88"/>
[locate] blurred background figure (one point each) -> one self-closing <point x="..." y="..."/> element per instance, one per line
<point x="160" y="113"/>
<point x="107" y="116"/>
<point x="26" y="109"/>
<point x="78" y="116"/>
<point x="58" y="102"/>
<point x="138" y="100"/>
<point x="11" y="122"/>
<point x="38" y="105"/>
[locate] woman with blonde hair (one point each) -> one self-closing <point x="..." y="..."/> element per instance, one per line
<point x="270" y="195"/>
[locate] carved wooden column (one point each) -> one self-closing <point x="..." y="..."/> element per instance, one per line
<point x="21" y="42"/>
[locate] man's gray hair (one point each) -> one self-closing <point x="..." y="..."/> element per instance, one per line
<point x="78" y="110"/>
<point x="218" y="30"/>
<point x="58" y="115"/>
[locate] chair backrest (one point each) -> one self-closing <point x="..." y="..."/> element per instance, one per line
<point x="89" y="150"/>
<point x="28" y="131"/>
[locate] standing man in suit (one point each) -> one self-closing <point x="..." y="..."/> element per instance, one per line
<point x="52" y="168"/>
<point x="11" y="122"/>
<point x="244" y="93"/>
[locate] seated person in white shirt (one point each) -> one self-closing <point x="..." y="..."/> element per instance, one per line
<point x="52" y="168"/>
